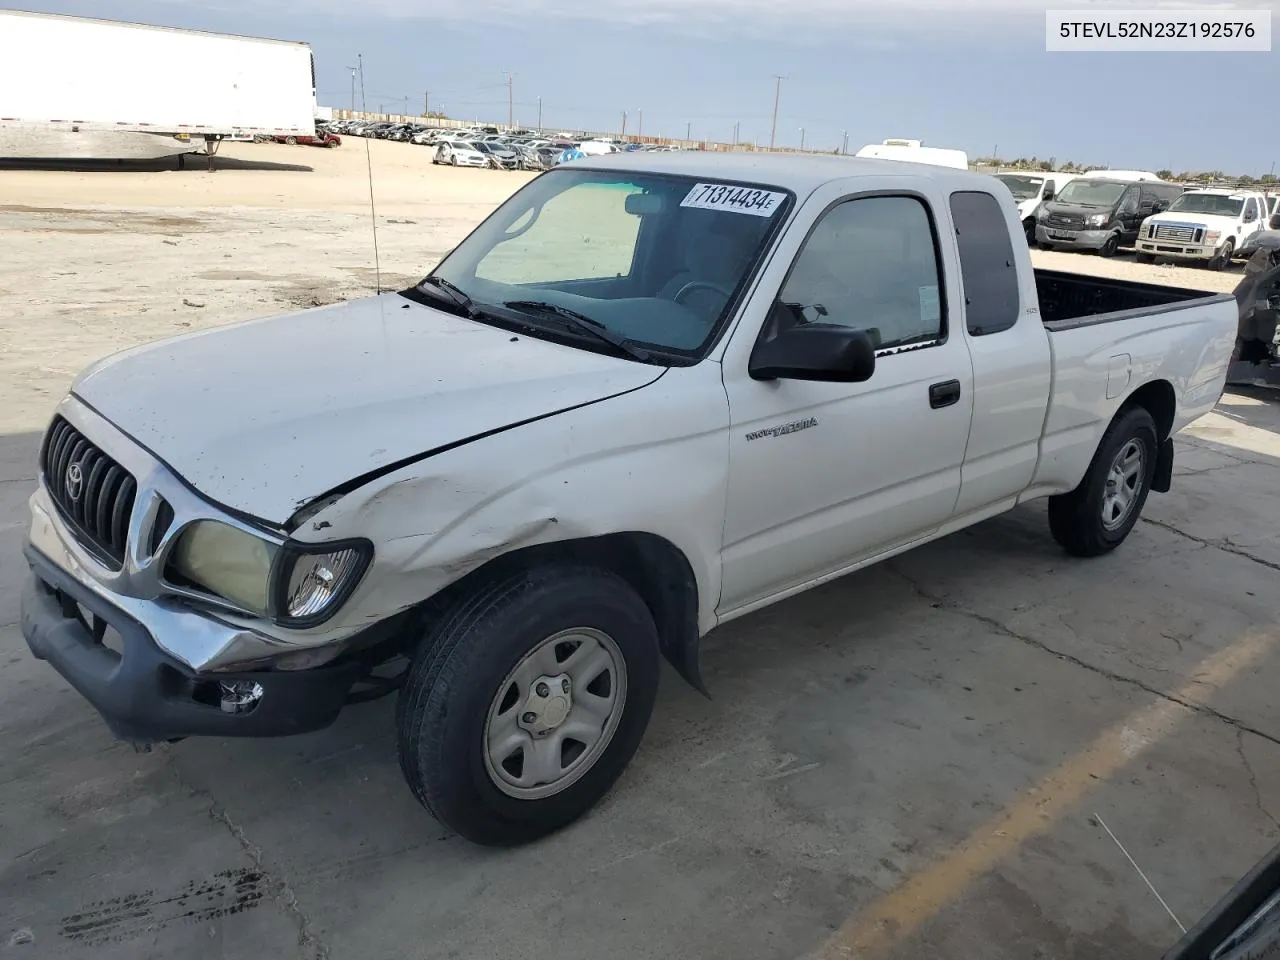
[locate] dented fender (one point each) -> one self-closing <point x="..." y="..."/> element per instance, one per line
<point x="654" y="461"/>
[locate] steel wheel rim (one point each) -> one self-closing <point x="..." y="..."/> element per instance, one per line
<point x="1123" y="485"/>
<point x="540" y="737"/>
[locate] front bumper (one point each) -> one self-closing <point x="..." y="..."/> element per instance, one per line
<point x="1176" y="251"/>
<point x="145" y="695"/>
<point x="1081" y="239"/>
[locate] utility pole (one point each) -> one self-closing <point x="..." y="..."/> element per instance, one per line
<point x="688" y="130"/>
<point x="844" y="146"/>
<point x="735" y="131"/>
<point x="777" y="94"/>
<point x="802" y="138"/>
<point x="511" y="104"/>
<point x="639" y="122"/>
<point x="353" y="87"/>
<point x="426" y="103"/>
<point x="624" y="124"/>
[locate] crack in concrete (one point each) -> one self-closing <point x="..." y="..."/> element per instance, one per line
<point x="1253" y="779"/>
<point x="1225" y="546"/>
<point x="311" y="946"/>
<point x="994" y="624"/>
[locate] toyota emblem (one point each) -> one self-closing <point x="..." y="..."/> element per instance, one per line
<point x="75" y="482"/>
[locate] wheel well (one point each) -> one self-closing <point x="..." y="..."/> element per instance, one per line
<point x="1159" y="400"/>
<point x="654" y="567"/>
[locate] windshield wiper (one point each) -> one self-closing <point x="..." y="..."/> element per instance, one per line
<point x="455" y="293"/>
<point x="581" y="322"/>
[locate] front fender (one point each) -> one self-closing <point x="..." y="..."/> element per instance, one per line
<point x="652" y="461"/>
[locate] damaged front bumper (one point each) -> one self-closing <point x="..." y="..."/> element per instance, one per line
<point x="146" y="695"/>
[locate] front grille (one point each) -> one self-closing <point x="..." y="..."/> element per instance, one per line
<point x="92" y="492"/>
<point x="1174" y="234"/>
<point x="1065" y="220"/>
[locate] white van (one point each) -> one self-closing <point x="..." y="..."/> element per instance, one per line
<point x="913" y="152"/>
<point x="1031" y="189"/>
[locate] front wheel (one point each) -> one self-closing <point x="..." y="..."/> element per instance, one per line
<point x="1097" y="516"/>
<point x="525" y="702"/>
<point x="1223" y="259"/>
<point x="292" y="141"/>
<point x="1110" y="245"/>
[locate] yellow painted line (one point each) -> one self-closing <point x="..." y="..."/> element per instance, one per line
<point x="896" y="915"/>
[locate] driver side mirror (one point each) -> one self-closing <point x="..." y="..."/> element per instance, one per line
<point x="1048" y="193"/>
<point x="825" y="352"/>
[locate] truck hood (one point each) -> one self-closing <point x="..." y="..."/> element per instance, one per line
<point x="264" y="416"/>
<point x="1207" y="220"/>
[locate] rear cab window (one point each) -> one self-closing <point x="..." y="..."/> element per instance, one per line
<point x="988" y="272"/>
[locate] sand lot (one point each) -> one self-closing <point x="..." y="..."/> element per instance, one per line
<point x="911" y="756"/>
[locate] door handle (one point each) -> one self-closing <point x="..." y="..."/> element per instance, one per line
<point x="944" y="394"/>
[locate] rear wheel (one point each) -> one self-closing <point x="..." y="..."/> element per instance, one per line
<point x="525" y="702"/>
<point x="292" y="141"/>
<point x="1097" y="516"/>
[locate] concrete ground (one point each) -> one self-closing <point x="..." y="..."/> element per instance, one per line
<point x="913" y="761"/>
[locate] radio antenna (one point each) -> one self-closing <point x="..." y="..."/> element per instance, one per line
<point x="368" y="161"/>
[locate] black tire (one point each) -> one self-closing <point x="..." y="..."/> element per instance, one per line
<point x="459" y="669"/>
<point x="1144" y="257"/>
<point x="1110" y="246"/>
<point x="1076" y="518"/>
<point x="292" y="141"/>
<point x="1223" y="260"/>
<point x="1046" y="246"/>
<point x="1029" y="228"/>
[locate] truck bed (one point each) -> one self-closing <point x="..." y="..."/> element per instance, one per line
<point x="1072" y="299"/>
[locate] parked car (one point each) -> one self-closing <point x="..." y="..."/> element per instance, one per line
<point x="501" y="156"/>
<point x="1030" y="190"/>
<point x="1101" y="214"/>
<point x="460" y="153"/>
<point x="321" y="139"/>
<point x="479" y="495"/>
<point x="1206" y="226"/>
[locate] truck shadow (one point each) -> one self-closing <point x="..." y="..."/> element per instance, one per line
<point x="192" y="163"/>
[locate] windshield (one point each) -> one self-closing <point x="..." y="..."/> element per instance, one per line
<point x="1022" y="188"/>
<point x="1215" y="204"/>
<point x="657" y="260"/>
<point x="1092" y="193"/>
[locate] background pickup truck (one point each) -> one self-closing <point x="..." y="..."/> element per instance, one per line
<point x="649" y="394"/>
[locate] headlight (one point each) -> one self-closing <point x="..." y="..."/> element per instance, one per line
<point x="1098" y="220"/>
<point x="311" y="581"/>
<point x="1213" y="236"/>
<point x="226" y="562"/>
<point x="1042" y="214"/>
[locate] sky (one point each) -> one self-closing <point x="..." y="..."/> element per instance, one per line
<point x="966" y="74"/>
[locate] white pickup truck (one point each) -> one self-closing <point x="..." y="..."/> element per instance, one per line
<point x="1210" y="226"/>
<point x="649" y="394"/>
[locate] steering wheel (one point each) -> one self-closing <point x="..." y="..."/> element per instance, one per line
<point x="701" y="285"/>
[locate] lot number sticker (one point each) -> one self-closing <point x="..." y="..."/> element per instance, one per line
<point x="716" y="196"/>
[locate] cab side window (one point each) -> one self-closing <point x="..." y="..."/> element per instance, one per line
<point x="871" y="264"/>
<point x="987" y="269"/>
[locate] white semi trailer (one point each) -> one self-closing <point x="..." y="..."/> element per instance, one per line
<point x="80" y="88"/>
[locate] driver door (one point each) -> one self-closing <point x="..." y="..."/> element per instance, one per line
<point x="822" y="475"/>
